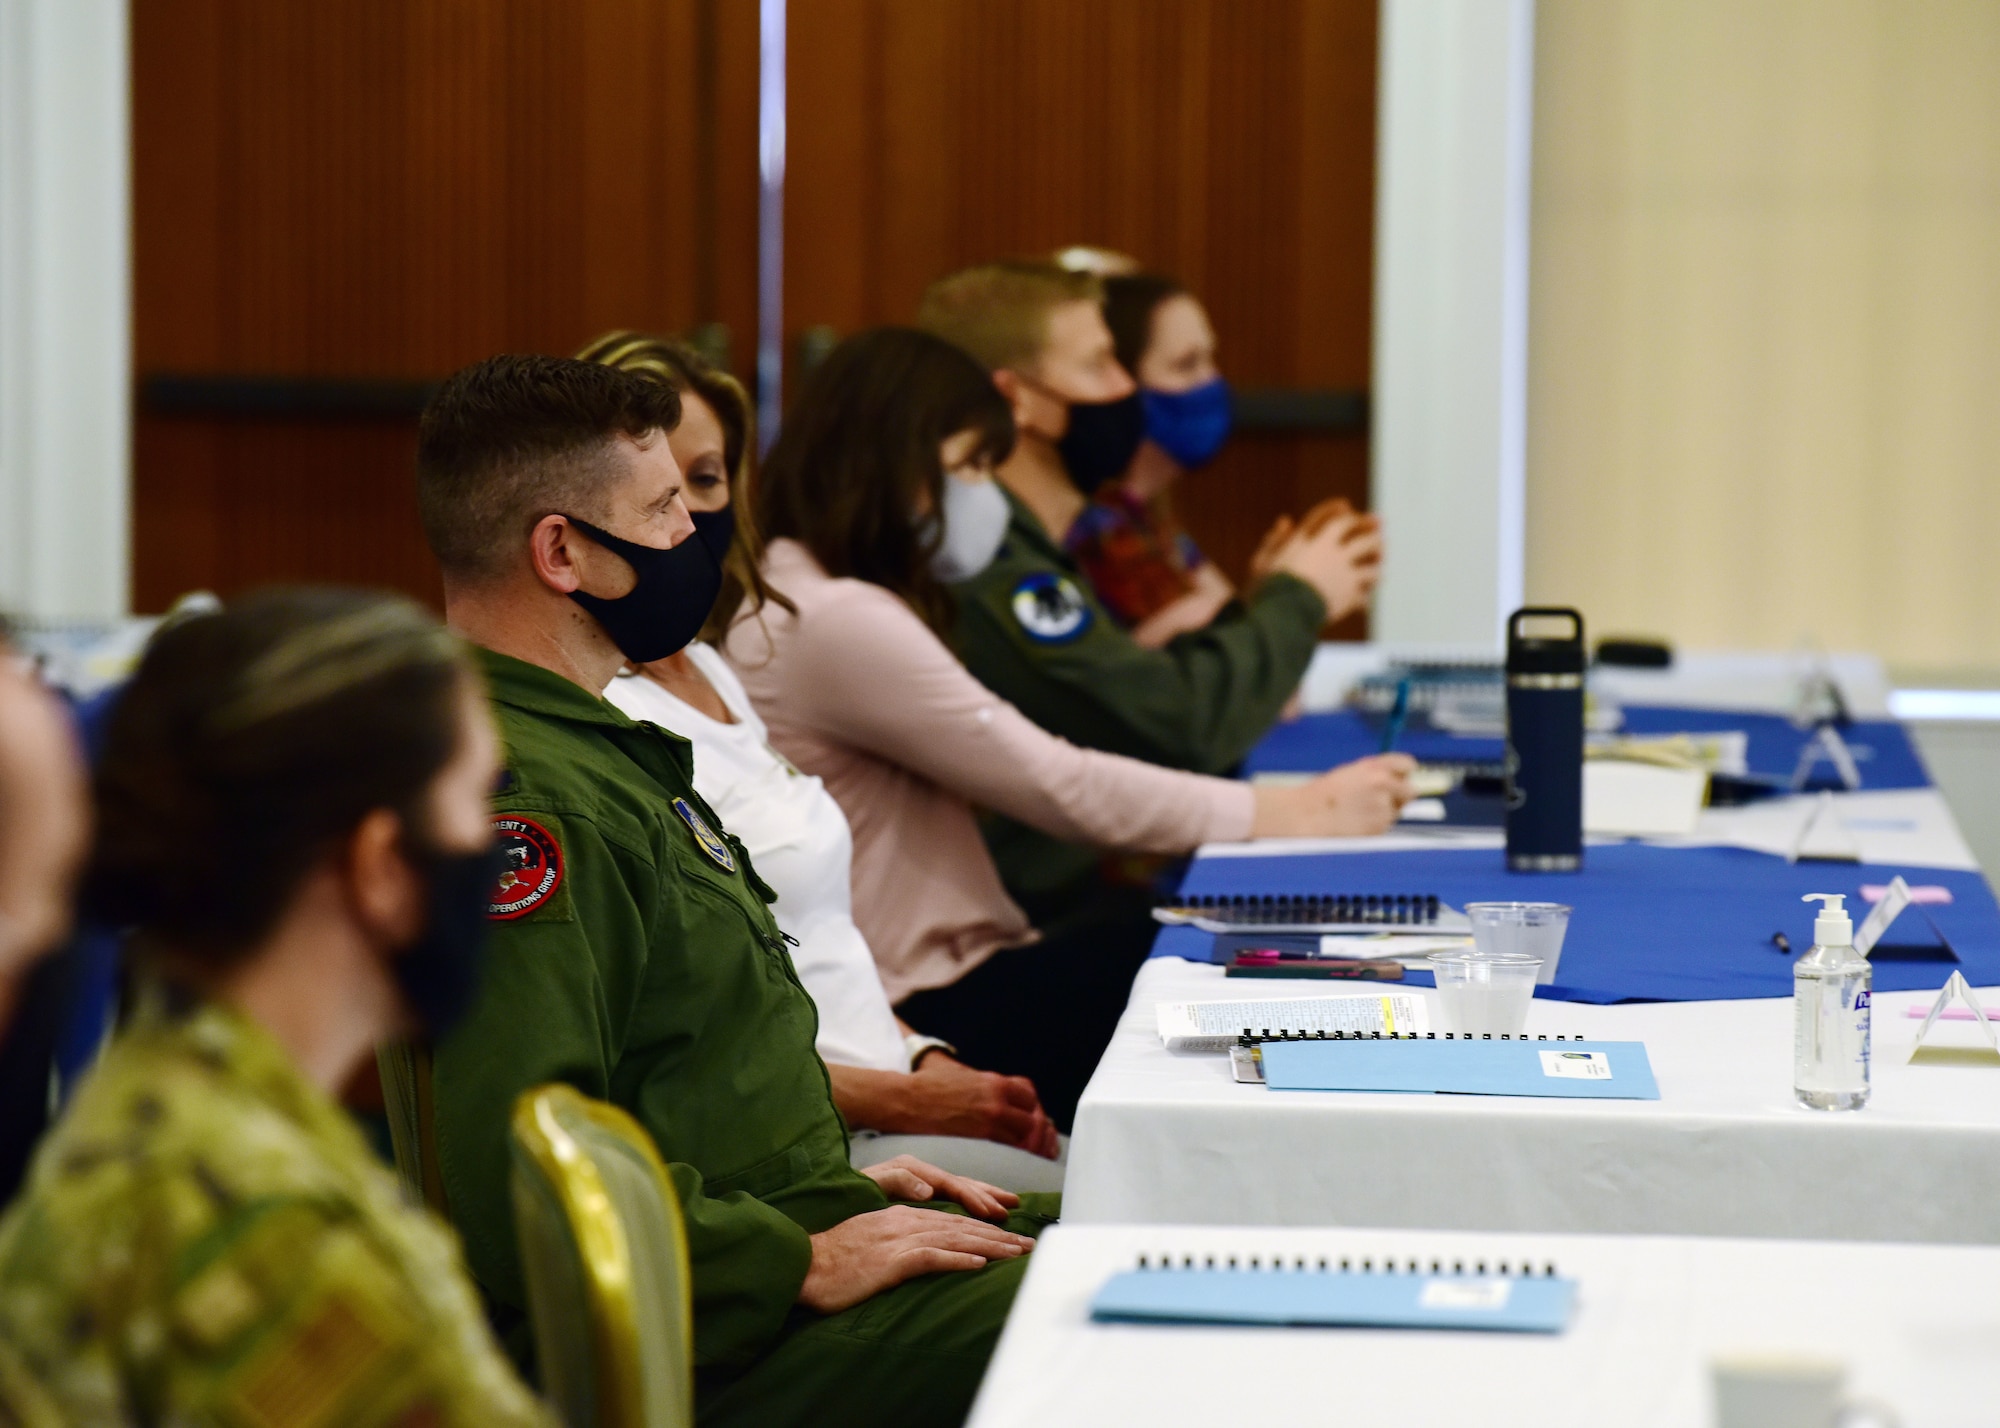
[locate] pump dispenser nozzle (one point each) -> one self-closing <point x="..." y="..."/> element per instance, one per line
<point x="1832" y="928"/>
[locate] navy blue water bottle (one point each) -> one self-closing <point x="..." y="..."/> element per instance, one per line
<point x="1544" y="740"/>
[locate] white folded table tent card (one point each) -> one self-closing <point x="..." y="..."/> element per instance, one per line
<point x="1926" y="1054"/>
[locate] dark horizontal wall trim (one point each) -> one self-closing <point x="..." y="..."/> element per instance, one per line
<point x="1303" y="410"/>
<point x="1308" y="410"/>
<point x="283" y="398"/>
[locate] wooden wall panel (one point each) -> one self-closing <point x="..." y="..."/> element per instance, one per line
<point x="391" y="188"/>
<point x="1230" y="142"/>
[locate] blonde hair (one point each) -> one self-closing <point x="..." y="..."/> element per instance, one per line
<point x="678" y="365"/>
<point x="999" y="312"/>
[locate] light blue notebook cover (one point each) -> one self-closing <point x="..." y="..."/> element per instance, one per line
<point x="1337" y="1298"/>
<point x="1602" y="1070"/>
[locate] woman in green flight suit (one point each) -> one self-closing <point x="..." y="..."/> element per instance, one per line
<point x="292" y="816"/>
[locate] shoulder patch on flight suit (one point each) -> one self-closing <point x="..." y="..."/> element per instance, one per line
<point x="706" y="836"/>
<point x="1050" y="608"/>
<point x="531" y="871"/>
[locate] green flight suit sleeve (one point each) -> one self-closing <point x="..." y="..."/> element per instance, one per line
<point x="559" y="985"/>
<point x="1200" y="703"/>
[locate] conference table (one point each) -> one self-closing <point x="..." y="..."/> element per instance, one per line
<point x="1671" y="946"/>
<point x="1914" y="1325"/>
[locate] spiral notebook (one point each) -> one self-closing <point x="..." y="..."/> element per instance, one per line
<point x="1348" y="1293"/>
<point x="1422" y="914"/>
<point x="1587" y="1070"/>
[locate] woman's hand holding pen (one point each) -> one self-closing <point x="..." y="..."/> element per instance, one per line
<point x="1354" y="800"/>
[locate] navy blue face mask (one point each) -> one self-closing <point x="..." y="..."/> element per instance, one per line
<point x="675" y="590"/>
<point x="439" y="973"/>
<point x="1101" y="440"/>
<point x="1190" y="426"/>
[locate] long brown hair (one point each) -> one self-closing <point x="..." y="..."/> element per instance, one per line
<point x="681" y="367"/>
<point x="858" y="458"/>
<point x="1130" y="300"/>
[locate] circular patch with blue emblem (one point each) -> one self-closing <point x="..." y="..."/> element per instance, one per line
<point x="1050" y="608"/>
<point x="706" y="836"/>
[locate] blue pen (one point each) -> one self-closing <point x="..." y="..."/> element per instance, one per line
<point x="1399" y="713"/>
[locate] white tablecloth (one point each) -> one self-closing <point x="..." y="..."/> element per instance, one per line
<point x="1918" y="1326"/>
<point x="1170" y="1138"/>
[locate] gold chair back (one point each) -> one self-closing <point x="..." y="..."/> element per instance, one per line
<point x="604" y="1251"/>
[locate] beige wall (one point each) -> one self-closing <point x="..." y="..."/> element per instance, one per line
<point x="1764" y="390"/>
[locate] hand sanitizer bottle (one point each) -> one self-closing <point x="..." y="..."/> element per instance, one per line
<point x="1830" y="1009"/>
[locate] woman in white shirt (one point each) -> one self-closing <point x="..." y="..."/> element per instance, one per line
<point x="904" y="1093"/>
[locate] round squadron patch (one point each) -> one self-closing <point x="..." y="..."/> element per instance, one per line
<point x="531" y="867"/>
<point x="1050" y="608"/>
<point x="704" y="835"/>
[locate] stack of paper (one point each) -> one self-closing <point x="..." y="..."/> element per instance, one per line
<point x="1214" y="1026"/>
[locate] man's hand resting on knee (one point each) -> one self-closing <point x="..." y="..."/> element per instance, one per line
<point x="859" y="1258"/>
<point x="905" y="1177"/>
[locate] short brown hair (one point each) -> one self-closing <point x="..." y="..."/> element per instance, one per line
<point x="859" y="456"/>
<point x="248" y="744"/>
<point x="678" y="365"/>
<point x="511" y="439"/>
<point x="999" y="312"/>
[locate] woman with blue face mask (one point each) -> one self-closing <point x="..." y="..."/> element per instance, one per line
<point x="1143" y="565"/>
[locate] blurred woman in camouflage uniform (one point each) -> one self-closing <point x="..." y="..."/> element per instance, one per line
<point x="292" y="816"/>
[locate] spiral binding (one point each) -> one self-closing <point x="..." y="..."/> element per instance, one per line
<point x="1347" y="1264"/>
<point x="1253" y="1037"/>
<point x="1387" y="909"/>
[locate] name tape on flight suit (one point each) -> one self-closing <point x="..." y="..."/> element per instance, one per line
<point x="1050" y="608"/>
<point x="532" y="867"/>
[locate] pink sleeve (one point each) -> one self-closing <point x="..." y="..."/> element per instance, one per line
<point x="862" y="669"/>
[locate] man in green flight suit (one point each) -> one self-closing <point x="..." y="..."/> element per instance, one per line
<point x="1032" y="629"/>
<point x="634" y="955"/>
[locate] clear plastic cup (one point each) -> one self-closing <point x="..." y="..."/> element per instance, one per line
<point x="1484" y="996"/>
<point x="1521" y="929"/>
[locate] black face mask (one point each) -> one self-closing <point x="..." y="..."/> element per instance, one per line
<point x="675" y="592"/>
<point x="1102" y="439"/>
<point x="439" y="972"/>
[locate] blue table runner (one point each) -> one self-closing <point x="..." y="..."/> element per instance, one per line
<point x="1649" y="923"/>
<point x="1882" y="749"/>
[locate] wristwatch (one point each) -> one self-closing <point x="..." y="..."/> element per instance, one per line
<point x="917" y="1046"/>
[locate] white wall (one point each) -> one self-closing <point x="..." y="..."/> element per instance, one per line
<point x="65" y="309"/>
<point x="1451" y="270"/>
<point x="1765" y="379"/>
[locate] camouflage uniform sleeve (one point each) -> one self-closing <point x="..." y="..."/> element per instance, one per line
<point x="297" y="1312"/>
<point x="24" y="1403"/>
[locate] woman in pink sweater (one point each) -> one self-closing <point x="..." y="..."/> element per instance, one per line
<point x="878" y="492"/>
